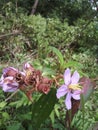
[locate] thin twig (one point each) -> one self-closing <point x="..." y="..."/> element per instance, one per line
<point x="11" y="95"/>
<point x="10" y="34"/>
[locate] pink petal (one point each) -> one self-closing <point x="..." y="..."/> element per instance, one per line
<point x="68" y="101"/>
<point x="76" y="95"/>
<point x="22" y="73"/>
<point x="26" y="65"/>
<point x="9" y="85"/>
<point x="77" y="92"/>
<point x="67" y="76"/>
<point x="75" y="78"/>
<point x="6" y="88"/>
<point x="9" y="78"/>
<point x="61" y="91"/>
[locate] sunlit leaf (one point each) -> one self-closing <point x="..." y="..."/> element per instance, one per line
<point x="59" y="55"/>
<point x="2" y="105"/>
<point x="52" y="117"/>
<point x="56" y="109"/>
<point x="73" y="64"/>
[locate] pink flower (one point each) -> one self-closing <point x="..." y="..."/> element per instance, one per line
<point x="8" y="84"/>
<point x="70" y="88"/>
<point x="27" y="67"/>
<point x="8" y="79"/>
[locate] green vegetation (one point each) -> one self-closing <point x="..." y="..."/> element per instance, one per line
<point x="60" y="34"/>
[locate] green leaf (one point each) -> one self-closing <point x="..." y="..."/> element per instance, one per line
<point x="52" y="117"/>
<point x="59" y="55"/>
<point x="26" y="116"/>
<point x="73" y="64"/>
<point x="43" y="108"/>
<point x="48" y="71"/>
<point x="57" y="111"/>
<point x="14" y="126"/>
<point x="5" y="115"/>
<point x="2" y="105"/>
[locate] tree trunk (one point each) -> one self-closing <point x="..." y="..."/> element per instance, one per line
<point x="34" y="7"/>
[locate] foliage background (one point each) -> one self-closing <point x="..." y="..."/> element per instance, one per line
<point x="71" y="26"/>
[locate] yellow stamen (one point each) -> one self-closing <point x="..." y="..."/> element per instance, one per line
<point x="28" y="73"/>
<point x="74" y="87"/>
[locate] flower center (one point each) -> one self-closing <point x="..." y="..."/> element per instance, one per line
<point x="74" y="87"/>
<point x="28" y="73"/>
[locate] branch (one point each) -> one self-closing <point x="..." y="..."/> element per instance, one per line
<point x="10" y="34"/>
<point x="11" y="95"/>
<point x="34" y="7"/>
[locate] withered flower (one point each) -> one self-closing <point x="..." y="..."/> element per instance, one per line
<point x="28" y="81"/>
<point x="44" y="85"/>
<point x="36" y="80"/>
<point x="32" y="76"/>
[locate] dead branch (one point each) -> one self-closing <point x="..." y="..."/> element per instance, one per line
<point x="34" y="7"/>
<point x="9" y="34"/>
